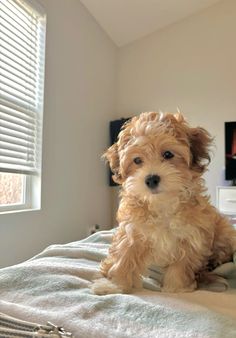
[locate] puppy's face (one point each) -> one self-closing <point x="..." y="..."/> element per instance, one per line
<point x="158" y="154"/>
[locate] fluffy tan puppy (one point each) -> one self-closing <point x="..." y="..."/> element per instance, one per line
<point x="164" y="215"/>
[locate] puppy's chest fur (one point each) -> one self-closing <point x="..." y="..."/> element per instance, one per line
<point x="173" y="237"/>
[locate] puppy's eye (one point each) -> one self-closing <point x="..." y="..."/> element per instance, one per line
<point x="138" y="160"/>
<point x="168" y="155"/>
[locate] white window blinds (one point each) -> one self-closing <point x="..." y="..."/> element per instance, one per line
<point x="22" y="49"/>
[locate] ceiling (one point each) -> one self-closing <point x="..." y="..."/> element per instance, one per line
<point x="128" y="20"/>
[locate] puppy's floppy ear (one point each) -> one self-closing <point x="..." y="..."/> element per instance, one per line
<point x="200" y="142"/>
<point x="112" y="157"/>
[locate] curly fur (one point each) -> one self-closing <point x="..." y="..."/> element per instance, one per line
<point x="173" y="226"/>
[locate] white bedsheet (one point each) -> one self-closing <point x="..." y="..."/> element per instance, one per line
<point x="54" y="286"/>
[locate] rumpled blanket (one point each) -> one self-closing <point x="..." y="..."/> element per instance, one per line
<point x="227" y="271"/>
<point x="55" y="286"/>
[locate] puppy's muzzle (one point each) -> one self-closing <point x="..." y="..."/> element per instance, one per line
<point x="152" y="181"/>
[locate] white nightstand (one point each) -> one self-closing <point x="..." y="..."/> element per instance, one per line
<point x="226" y="201"/>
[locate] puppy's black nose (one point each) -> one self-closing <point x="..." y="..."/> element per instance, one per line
<point x="152" y="181"/>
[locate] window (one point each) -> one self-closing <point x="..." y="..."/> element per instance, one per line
<point x="22" y="50"/>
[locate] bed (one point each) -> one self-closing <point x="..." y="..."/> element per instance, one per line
<point x="55" y="286"/>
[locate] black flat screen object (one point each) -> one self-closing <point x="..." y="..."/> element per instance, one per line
<point x="230" y="151"/>
<point x="115" y="128"/>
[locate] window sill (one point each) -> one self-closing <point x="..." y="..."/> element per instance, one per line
<point x="18" y="209"/>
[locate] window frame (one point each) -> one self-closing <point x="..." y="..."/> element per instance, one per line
<point x="32" y="181"/>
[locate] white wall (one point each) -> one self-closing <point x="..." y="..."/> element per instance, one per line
<point x="190" y="65"/>
<point x="79" y="102"/>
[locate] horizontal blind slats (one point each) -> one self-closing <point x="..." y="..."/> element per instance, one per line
<point x="30" y="45"/>
<point x="22" y="21"/>
<point x="17" y="64"/>
<point x="16" y="53"/>
<point x="16" y="114"/>
<point x="18" y="88"/>
<point x="18" y="76"/>
<point x="22" y="41"/>
<point x="17" y="101"/>
<point x="16" y="97"/>
<point x="16" y="134"/>
<point x="16" y="26"/>
<point x="8" y="33"/>
<point x="17" y="121"/>
<point x="17" y="169"/>
<point x="15" y="154"/>
<point x="17" y="148"/>
<point x="14" y="140"/>
<point x="16" y="128"/>
<point x="8" y="77"/>
<point x="15" y="47"/>
<point x="21" y="71"/>
<point x="11" y="105"/>
<point x="17" y="8"/>
<point x="7" y="160"/>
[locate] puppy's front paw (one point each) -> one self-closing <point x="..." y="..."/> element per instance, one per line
<point x="179" y="288"/>
<point x="104" y="286"/>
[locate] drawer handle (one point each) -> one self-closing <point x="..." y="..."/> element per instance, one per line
<point x="231" y="200"/>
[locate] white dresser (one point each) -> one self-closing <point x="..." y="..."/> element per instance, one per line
<point x="226" y="201"/>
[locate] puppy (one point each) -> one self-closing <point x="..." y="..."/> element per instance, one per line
<point x="164" y="215"/>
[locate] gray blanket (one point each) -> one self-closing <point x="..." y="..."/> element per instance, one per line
<point x="55" y="286"/>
